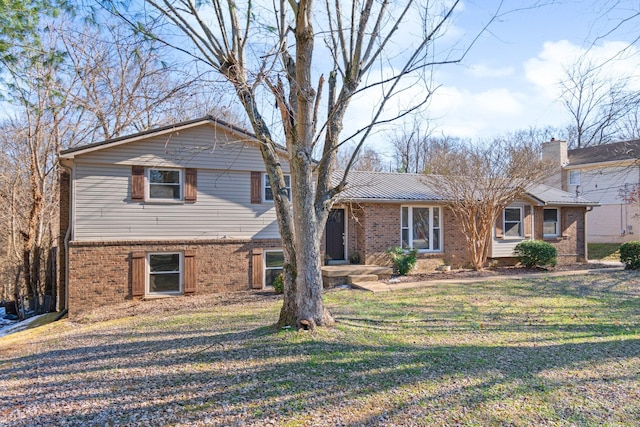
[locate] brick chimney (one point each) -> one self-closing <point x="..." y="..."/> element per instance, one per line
<point x="555" y="151"/>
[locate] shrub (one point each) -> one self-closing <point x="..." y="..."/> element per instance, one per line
<point x="536" y="253"/>
<point x="630" y="255"/>
<point x="403" y="259"/>
<point x="278" y="284"/>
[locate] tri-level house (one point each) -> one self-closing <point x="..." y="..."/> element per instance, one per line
<point x="606" y="174"/>
<point x="187" y="209"/>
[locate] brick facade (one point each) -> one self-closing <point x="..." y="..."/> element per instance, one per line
<point x="101" y="272"/>
<point x="375" y="227"/>
<point x="571" y="245"/>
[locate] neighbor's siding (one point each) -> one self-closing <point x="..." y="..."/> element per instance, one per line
<point x="617" y="223"/>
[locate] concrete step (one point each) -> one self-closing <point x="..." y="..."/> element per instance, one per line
<point x="372" y="286"/>
<point x="358" y="278"/>
<point x="354" y="269"/>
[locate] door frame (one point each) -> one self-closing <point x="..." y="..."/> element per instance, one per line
<point x="344" y="233"/>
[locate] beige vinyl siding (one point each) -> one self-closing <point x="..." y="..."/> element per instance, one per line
<point x="103" y="210"/>
<point x="202" y="147"/>
<point x="606" y="185"/>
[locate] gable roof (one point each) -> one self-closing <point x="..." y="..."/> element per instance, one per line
<point x="82" y="149"/>
<point x="392" y="187"/>
<point x="617" y="151"/>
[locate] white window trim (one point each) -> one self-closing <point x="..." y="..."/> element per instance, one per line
<point x="265" y="268"/>
<point x="409" y="227"/>
<point x="180" y="291"/>
<point x="148" y="184"/>
<point x="266" y="183"/>
<point x="557" y="233"/>
<point x="574" y="177"/>
<point x="504" y="223"/>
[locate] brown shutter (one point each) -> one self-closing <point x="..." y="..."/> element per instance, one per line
<point x="190" y="185"/>
<point x="500" y="225"/>
<point x="564" y="222"/>
<point x="526" y="221"/>
<point x="256" y="269"/>
<point x="189" y="272"/>
<point x="138" y="276"/>
<point x="256" y="187"/>
<point x="137" y="183"/>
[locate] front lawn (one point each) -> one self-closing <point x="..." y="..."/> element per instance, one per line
<point x="561" y="351"/>
<point x="604" y="251"/>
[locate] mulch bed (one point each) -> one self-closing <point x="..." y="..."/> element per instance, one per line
<point x="489" y="272"/>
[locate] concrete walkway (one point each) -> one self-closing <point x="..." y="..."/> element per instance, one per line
<point x="384" y="287"/>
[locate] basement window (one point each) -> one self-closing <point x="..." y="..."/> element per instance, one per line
<point x="165" y="273"/>
<point x="273" y="264"/>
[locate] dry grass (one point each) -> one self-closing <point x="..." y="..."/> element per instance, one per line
<point x="543" y="351"/>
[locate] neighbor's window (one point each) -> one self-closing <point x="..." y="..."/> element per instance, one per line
<point x="513" y="222"/>
<point x="574" y="177"/>
<point x="165" y="184"/>
<point x="268" y="193"/>
<point x="551" y="222"/>
<point x="273" y="263"/>
<point x="165" y="273"/>
<point x="421" y="228"/>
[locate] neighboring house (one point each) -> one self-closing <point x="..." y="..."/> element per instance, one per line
<point x="187" y="209"/>
<point x="606" y="174"/>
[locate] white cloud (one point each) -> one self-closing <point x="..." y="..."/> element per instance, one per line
<point x="547" y="69"/>
<point x="483" y="70"/>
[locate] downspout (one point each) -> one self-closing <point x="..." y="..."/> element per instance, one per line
<point x="586" y="233"/>
<point x="67" y="235"/>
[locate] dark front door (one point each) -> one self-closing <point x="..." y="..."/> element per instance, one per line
<point x="334" y="232"/>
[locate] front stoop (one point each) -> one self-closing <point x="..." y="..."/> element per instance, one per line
<point x="336" y="275"/>
<point x="372" y="286"/>
<point x="359" y="278"/>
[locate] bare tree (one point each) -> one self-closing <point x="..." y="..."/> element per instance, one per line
<point x="118" y="83"/>
<point x="418" y="149"/>
<point x="595" y="102"/>
<point x="479" y="181"/>
<point x="259" y="51"/>
<point x="367" y="159"/>
<point x="33" y="144"/>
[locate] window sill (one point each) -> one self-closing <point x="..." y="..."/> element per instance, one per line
<point x="162" y="296"/>
<point x="163" y="202"/>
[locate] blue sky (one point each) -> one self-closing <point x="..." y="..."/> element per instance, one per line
<point x="509" y="79"/>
